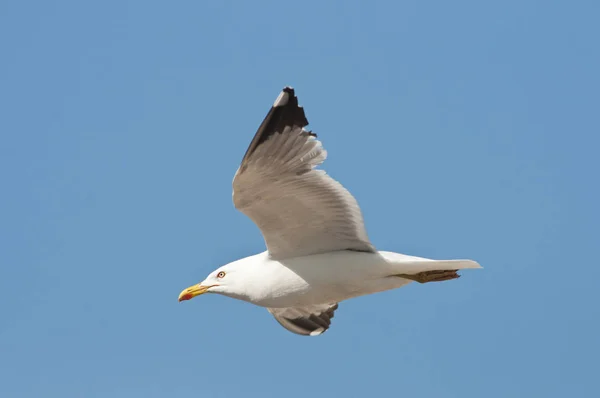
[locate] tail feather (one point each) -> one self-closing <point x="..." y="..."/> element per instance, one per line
<point x="402" y="264"/>
<point x="438" y="265"/>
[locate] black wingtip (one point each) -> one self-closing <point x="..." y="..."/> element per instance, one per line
<point x="286" y="97"/>
<point x="284" y="112"/>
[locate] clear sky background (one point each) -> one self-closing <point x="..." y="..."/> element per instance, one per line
<point x="465" y="129"/>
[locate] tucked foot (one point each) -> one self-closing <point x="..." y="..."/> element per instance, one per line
<point x="431" y="276"/>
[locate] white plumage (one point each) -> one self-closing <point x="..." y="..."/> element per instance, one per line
<point x="298" y="209"/>
<point x="318" y="252"/>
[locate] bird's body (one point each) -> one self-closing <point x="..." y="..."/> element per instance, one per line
<point x="318" y="252"/>
<point x="329" y="277"/>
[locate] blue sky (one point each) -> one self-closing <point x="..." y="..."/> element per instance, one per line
<point x="465" y="129"/>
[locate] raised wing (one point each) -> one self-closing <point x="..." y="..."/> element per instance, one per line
<point x="307" y="321"/>
<point x="299" y="210"/>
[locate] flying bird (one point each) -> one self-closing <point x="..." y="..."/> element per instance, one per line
<point x="318" y="252"/>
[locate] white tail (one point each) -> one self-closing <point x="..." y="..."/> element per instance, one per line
<point x="410" y="265"/>
<point x="434" y="265"/>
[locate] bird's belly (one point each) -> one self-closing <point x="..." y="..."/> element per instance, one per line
<point x="321" y="279"/>
<point x="310" y="295"/>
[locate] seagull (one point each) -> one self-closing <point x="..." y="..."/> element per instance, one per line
<point x="318" y="252"/>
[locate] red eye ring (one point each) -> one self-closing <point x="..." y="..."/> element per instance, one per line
<point x="221" y="274"/>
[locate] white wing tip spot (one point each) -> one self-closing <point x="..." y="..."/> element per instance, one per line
<point x="282" y="99"/>
<point x="317" y="332"/>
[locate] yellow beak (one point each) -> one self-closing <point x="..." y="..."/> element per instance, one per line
<point x="193" y="291"/>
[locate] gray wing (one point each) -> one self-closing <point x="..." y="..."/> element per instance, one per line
<point x="299" y="210"/>
<point x="307" y="321"/>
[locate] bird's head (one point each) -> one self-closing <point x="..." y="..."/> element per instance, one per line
<point x="215" y="282"/>
<point x="229" y="280"/>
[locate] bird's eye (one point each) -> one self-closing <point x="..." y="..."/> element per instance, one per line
<point x="221" y="274"/>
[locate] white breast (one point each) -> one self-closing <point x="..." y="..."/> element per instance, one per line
<point x="318" y="279"/>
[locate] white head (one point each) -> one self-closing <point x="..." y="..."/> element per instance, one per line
<point x="229" y="280"/>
